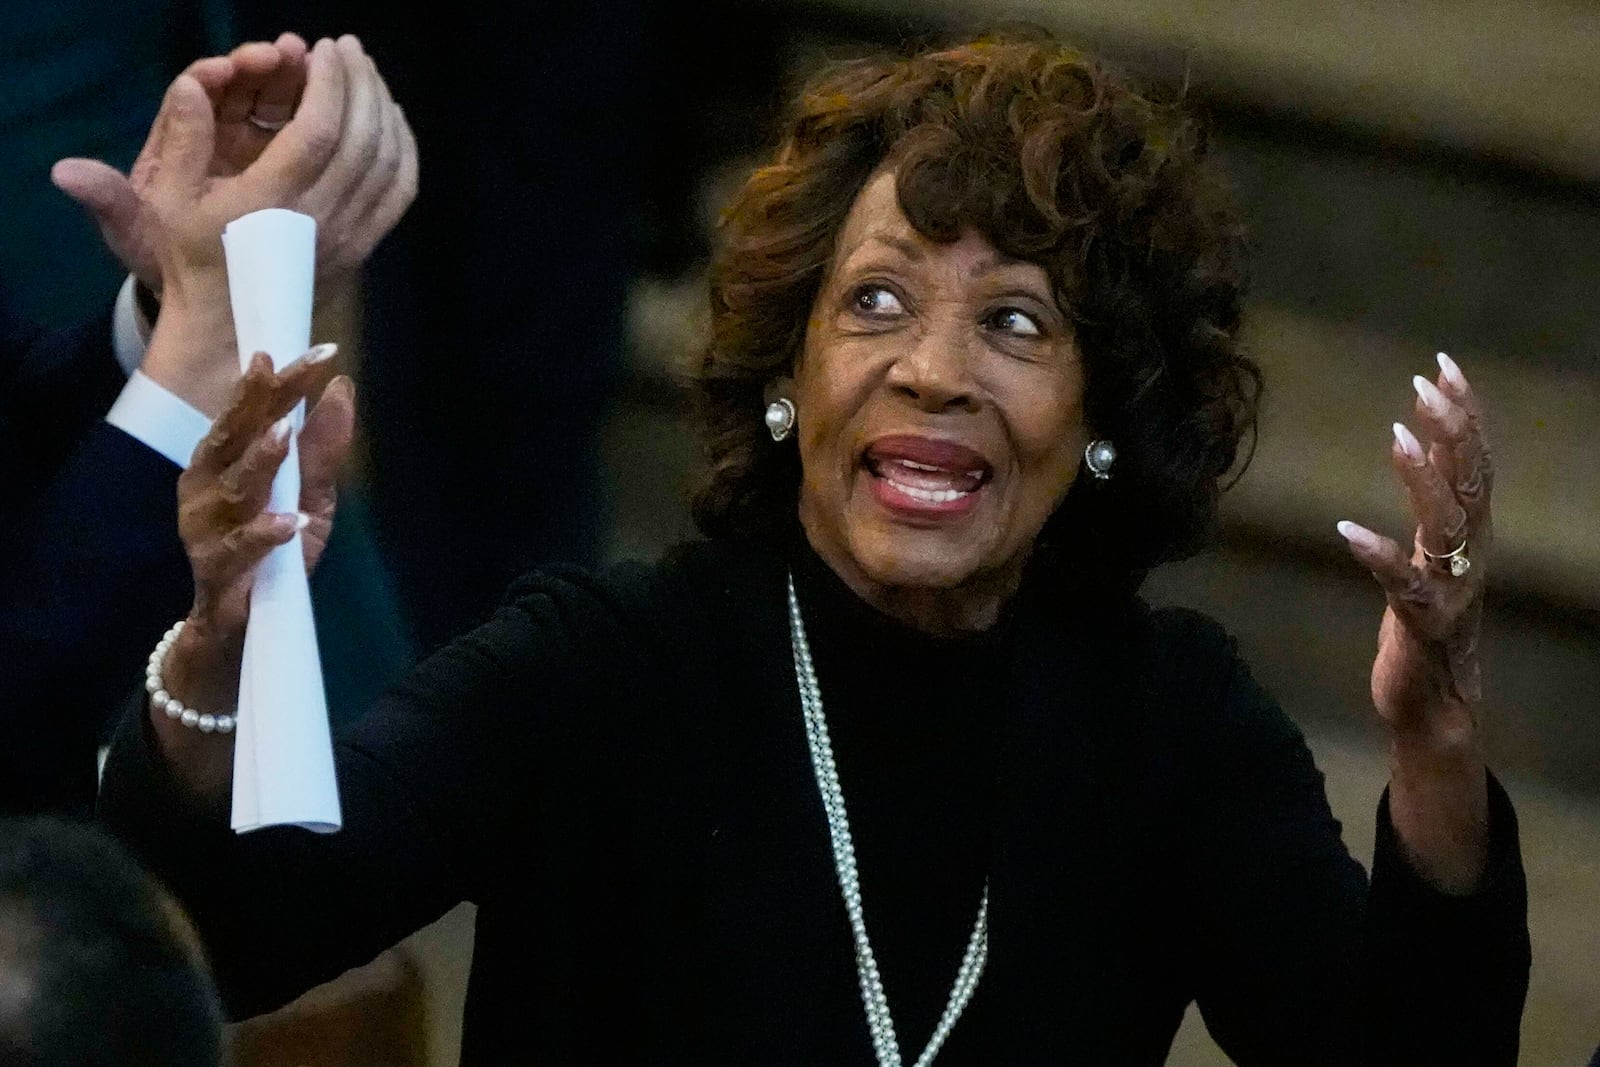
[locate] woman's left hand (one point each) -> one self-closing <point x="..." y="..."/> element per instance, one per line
<point x="1426" y="679"/>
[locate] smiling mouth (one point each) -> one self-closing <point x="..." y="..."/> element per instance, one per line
<point x="924" y="476"/>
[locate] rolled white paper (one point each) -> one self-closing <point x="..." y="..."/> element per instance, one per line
<point x="283" y="754"/>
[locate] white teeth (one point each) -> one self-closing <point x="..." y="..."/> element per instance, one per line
<point x="909" y="464"/>
<point x="931" y="496"/>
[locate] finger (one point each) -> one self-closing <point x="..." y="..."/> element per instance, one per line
<point x="239" y="422"/>
<point x="261" y="398"/>
<point x="325" y="444"/>
<point x="244" y="488"/>
<point x="358" y="142"/>
<point x="360" y="217"/>
<point x="1441" y="419"/>
<point x="1390" y="565"/>
<point x="402" y="192"/>
<point x="225" y="556"/>
<point x="292" y="45"/>
<point x="102" y="190"/>
<point x="299" y="153"/>
<point x="1472" y="469"/>
<point x="307" y="376"/>
<point x="1441" y="521"/>
<point x="280" y="91"/>
<point x="187" y="137"/>
<point x="256" y="59"/>
<point x="254" y="63"/>
<point x="213" y="73"/>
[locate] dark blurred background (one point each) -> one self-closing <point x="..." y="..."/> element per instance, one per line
<point x="1418" y="175"/>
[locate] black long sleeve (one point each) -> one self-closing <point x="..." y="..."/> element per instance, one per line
<point x="1301" y="959"/>
<point x="615" y="768"/>
<point x="433" y="781"/>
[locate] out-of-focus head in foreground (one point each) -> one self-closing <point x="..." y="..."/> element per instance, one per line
<point x="98" y="965"/>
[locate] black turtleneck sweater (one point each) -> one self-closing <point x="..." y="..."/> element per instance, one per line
<point x="615" y="769"/>
<point x="915" y="727"/>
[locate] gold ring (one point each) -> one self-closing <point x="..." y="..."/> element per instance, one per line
<point x="1456" y="559"/>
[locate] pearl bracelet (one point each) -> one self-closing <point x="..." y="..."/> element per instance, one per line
<point x="164" y="701"/>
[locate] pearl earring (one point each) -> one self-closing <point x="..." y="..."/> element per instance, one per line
<point x="1098" y="456"/>
<point x="780" y="418"/>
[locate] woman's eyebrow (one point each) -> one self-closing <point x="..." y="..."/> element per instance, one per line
<point x="909" y="249"/>
<point x="996" y="261"/>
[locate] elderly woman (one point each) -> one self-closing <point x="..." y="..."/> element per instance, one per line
<point x="893" y="764"/>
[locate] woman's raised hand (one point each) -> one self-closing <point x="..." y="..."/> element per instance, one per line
<point x="1426" y="679"/>
<point x="224" y="524"/>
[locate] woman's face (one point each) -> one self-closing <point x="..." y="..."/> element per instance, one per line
<point x="939" y="400"/>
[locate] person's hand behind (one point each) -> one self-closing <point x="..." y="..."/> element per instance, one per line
<point x="255" y="81"/>
<point x="1426" y="677"/>
<point x="344" y="155"/>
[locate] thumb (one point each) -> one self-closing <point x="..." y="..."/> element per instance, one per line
<point x="185" y="139"/>
<point x="102" y="190"/>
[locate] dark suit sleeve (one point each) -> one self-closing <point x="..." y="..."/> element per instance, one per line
<point x="91" y="568"/>
<point x="1298" y="959"/>
<point x="90" y="581"/>
<point x="439" y="784"/>
<point x="54" y="386"/>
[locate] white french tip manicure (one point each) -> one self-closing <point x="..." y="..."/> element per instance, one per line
<point x="280" y="430"/>
<point x="301" y="521"/>
<point x="322" y="352"/>
<point x="1356" y="534"/>
<point x="1452" y="372"/>
<point x="1427" y="391"/>
<point x="1408" y="443"/>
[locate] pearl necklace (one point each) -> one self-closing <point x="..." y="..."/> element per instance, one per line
<point x="879" y="1021"/>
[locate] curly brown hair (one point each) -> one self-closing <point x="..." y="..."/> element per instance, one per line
<point x="1056" y="161"/>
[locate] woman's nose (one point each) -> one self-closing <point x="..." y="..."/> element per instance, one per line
<point x="935" y="373"/>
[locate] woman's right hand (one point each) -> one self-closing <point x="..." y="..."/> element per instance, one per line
<point x="226" y="531"/>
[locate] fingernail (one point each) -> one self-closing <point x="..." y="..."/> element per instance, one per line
<point x="1429" y="393"/>
<point x="301" y="521"/>
<point x="1357" y="535"/>
<point x="321" y="352"/>
<point x="1409" y="444"/>
<point x="280" y="430"/>
<point x="1452" y="373"/>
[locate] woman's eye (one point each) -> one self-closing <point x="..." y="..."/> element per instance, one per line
<point x="1016" y="322"/>
<point x="876" y="300"/>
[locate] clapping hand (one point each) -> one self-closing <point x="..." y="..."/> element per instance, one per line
<point x="1426" y="678"/>
<point x="253" y="92"/>
<point x="227" y="531"/>
<point x="268" y="125"/>
<point x="344" y="155"/>
<point x="223" y="494"/>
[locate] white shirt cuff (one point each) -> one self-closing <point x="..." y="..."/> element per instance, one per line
<point x="130" y="334"/>
<point x="149" y="413"/>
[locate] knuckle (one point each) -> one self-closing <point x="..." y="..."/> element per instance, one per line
<point x="1414" y="590"/>
<point x="231" y="492"/>
<point x="321" y="138"/>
